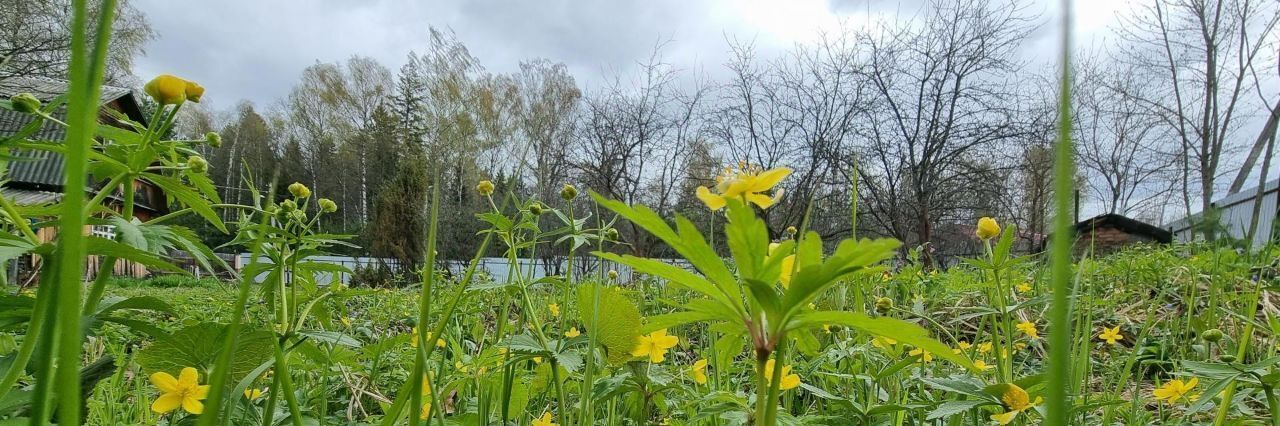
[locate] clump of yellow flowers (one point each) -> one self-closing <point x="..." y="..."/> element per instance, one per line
<point x="749" y="183"/>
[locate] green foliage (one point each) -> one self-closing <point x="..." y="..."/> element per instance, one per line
<point x="617" y="320"/>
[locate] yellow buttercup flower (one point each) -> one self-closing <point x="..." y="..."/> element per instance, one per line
<point x="555" y="309"/>
<point x="1029" y="328"/>
<point x="984" y="347"/>
<point x="988" y="228"/>
<point x="485" y="188"/>
<point x="194" y="91"/>
<point x="253" y="394"/>
<point x="981" y="365"/>
<point x="345" y="321"/>
<point x="1015" y="400"/>
<point x="925" y="356"/>
<point x="184" y="391"/>
<point x="1111" y="335"/>
<point x="413" y="341"/>
<point x="545" y="420"/>
<point x="747" y="183"/>
<point x="167" y="89"/>
<point x="789" y="380"/>
<point x="1176" y="390"/>
<point x="655" y="345"/>
<point x="1024" y="287"/>
<point x="573" y="332"/>
<point x="961" y="346"/>
<point x="883" y="342"/>
<point x="699" y="371"/>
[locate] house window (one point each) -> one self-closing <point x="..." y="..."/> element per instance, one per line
<point x="104" y="231"/>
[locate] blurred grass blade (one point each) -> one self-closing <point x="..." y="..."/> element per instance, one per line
<point x="1060" y="335"/>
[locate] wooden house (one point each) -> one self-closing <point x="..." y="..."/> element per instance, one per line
<point x="35" y="178"/>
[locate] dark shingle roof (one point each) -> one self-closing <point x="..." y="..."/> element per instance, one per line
<point x="43" y="169"/>
<point x="1130" y="226"/>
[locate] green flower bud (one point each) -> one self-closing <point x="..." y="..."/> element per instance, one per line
<point x="288" y="206"/>
<point x="1227" y="358"/>
<point x="613" y="275"/>
<point x="791" y="230"/>
<point x="535" y="209"/>
<point x="884" y="304"/>
<point x="568" y="192"/>
<point x="213" y="139"/>
<point x="328" y="206"/>
<point x="611" y="234"/>
<point x="299" y="190"/>
<point x="1212" y="335"/>
<point x="197" y="164"/>
<point x="485" y="188"/>
<point x="25" y="103"/>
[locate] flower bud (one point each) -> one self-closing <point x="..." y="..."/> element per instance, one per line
<point x="884" y="304"/>
<point x="213" y="139"/>
<point x="987" y="228"/>
<point x="288" y="206"/>
<point x="613" y="275"/>
<point x="485" y="188"/>
<point x="299" y="190"/>
<point x="194" y="91"/>
<point x="791" y="230"/>
<point x="611" y="234"/>
<point x="1212" y="335"/>
<point x="328" y="206"/>
<point x="25" y="103"/>
<point x="535" y="209"/>
<point x="568" y="192"/>
<point x="1227" y="358"/>
<point x="197" y="164"/>
<point x="167" y="89"/>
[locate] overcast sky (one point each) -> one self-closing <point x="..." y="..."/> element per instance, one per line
<point x="256" y="49"/>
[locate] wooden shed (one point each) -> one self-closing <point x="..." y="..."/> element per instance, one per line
<point x="1110" y="232"/>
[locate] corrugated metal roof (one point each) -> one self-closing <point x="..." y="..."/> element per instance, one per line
<point x="27" y="197"/>
<point x="42" y="169"/>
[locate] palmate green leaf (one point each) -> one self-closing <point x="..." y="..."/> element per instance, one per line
<point x="13" y="247"/>
<point x="197" y="346"/>
<point x="689" y="243"/>
<point x="951" y="408"/>
<point x="673" y="274"/>
<point x="187" y="197"/>
<point x="748" y="239"/>
<point x="617" y="324"/>
<point x="850" y="257"/>
<point x="104" y="247"/>
<point x="902" y="331"/>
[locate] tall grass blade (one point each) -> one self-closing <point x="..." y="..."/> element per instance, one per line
<point x="1060" y="334"/>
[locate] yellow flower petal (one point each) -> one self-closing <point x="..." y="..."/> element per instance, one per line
<point x="788" y="269"/>
<point x="188" y="378"/>
<point x="769" y="179"/>
<point x="165" y="382"/>
<point x="192" y="405"/>
<point x="713" y="201"/>
<point x="167" y="402"/>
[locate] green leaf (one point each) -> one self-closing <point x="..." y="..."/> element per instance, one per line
<point x="198" y="345"/>
<point x="902" y="331"/>
<point x="617" y="324"/>
<point x="951" y="408"/>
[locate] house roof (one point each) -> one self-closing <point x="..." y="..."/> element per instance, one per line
<point x="28" y="197"/>
<point x="43" y="169"/>
<point x="1131" y="226"/>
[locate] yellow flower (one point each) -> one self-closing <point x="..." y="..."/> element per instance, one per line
<point x="545" y="420"/>
<point x="826" y="328"/>
<point x="961" y="347"/>
<point x="788" y="268"/>
<point x="746" y="183"/>
<point x="440" y="343"/>
<point x="925" y="356"/>
<point x="299" y="190"/>
<point x="1024" y="287"/>
<point x="984" y="347"/>
<point x="167" y="89"/>
<point x="184" y="391"/>
<point x="1015" y="401"/>
<point x="1111" y="335"/>
<point x="485" y="188"/>
<point x="699" y="371"/>
<point x="655" y="345"/>
<point x="573" y="332"/>
<point x="981" y="365"/>
<point x="555" y="309"/>
<point x="1175" y="390"/>
<point x="426" y="411"/>
<point x="789" y="381"/>
<point x="883" y="342"/>
<point x="193" y="91"/>
<point x="345" y="321"/>
<point x="1029" y="328"/>
<point x="253" y="394"/>
<point x="988" y="228"/>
